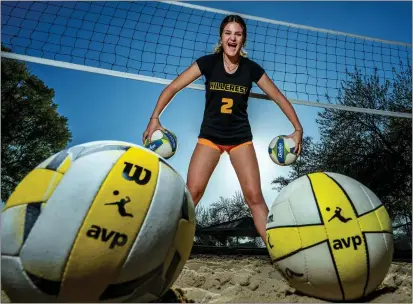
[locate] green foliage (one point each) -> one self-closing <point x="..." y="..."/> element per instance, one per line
<point x="223" y="210"/>
<point x="376" y="150"/>
<point x="32" y="129"/>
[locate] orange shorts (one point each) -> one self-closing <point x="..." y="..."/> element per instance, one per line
<point x="221" y="148"/>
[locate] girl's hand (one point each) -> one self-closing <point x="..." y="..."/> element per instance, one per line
<point x="297" y="136"/>
<point x="153" y="125"/>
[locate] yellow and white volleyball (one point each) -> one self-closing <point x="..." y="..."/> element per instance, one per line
<point x="105" y="221"/>
<point x="330" y="237"/>
<point x="162" y="142"/>
<point x="281" y="150"/>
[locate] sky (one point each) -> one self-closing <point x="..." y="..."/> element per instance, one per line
<point x="100" y="107"/>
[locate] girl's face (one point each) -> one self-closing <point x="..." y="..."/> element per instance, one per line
<point x="232" y="39"/>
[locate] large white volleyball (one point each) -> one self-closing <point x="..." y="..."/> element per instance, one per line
<point x="330" y="236"/>
<point x="104" y="221"/>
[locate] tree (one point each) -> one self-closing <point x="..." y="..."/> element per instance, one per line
<point x="373" y="149"/>
<point x="32" y="129"/>
<point x="223" y="210"/>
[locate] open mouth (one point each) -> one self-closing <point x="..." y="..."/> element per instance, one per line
<point x="232" y="46"/>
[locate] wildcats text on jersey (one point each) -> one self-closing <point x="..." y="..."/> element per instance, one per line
<point x="219" y="86"/>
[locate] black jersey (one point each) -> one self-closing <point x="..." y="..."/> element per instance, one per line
<point x="225" y="119"/>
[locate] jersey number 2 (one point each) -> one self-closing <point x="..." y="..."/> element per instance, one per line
<point x="227" y="104"/>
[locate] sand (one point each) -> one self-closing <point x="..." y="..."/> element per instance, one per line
<point x="224" y="279"/>
<point x="252" y="279"/>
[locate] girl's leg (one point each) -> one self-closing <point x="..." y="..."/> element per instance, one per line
<point x="244" y="161"/>
<point x="202" y="165"/>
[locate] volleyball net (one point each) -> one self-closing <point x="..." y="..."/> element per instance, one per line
<point x="156" y="41"/>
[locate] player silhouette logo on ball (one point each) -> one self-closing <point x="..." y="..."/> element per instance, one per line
<point x="337" y="214"/>
<point x="121" y="205"/>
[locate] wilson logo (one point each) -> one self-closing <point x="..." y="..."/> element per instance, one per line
<point x="137" y="174"/>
